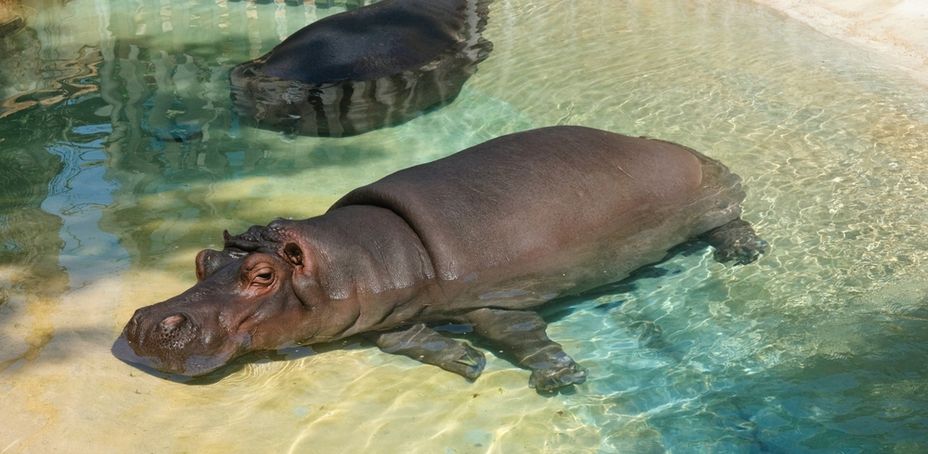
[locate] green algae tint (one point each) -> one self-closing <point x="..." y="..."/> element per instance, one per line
<point x="821" y="346"/>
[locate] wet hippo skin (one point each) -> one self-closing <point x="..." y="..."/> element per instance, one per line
<point x="482" y="237"/>
<point x="353" y="72"/>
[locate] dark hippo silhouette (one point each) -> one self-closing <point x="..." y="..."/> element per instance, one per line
<point x="480" y="237"/>
<point x="375" y="66"/>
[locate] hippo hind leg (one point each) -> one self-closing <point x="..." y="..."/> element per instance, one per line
<point x="736" y="241"/>
<point x="522" y="335"/>
<point x="424" y="344"/>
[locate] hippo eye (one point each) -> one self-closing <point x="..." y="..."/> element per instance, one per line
<point x="263" y="277"/>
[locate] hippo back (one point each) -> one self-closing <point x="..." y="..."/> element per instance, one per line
<point x="350" y="73"/>
<point x="397" y="35"/>
<point x="542" y="201"/>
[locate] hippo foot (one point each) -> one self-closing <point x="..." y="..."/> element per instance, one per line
<point x="740" y="253"/>
<point x="736" y="241"/>
<point x="469" y="365"/>
<point x="428" y="346"/>
<point x="561" y="372"/>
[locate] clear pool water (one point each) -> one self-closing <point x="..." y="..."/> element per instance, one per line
<point x="821" y="346"/>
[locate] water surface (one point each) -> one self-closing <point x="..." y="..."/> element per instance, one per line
<point x="822" y="345"/>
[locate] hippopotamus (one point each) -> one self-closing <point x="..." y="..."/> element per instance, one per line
<point x="363" y="69"/>
<point x="482" y="238"/>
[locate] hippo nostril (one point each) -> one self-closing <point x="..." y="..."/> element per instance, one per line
<point x="172" y="323"/>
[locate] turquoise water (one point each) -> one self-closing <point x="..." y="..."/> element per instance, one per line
<point x="821" y="346"/>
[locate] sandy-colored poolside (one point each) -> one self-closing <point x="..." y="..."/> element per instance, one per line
<point x="895" y="28"/>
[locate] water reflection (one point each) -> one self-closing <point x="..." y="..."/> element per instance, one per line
<point x="78" y="195"/>
<point x="31" y="277"/>
<point x="56" y="248"/>
<point x="41" y="70"/>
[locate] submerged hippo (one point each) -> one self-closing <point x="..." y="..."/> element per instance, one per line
<point x="481" y="237"/>
<point x="376" y="66"/>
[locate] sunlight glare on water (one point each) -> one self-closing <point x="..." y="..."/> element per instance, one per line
<point x="819" y="346"/>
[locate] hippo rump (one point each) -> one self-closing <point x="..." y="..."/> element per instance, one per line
<point x="481" y="237"/>
<point x="363" y="69"/>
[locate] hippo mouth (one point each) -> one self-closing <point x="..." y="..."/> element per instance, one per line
<point x="191" y="366"/>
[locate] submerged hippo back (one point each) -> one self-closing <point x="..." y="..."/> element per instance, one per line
<point x="534" y="200"/>
<point x="370" y="43"/>
<point x="353" y="72"/>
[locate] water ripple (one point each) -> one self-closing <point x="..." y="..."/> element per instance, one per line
<point x="53" y="82"/>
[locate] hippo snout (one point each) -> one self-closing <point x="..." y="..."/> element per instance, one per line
<point x="162" y="341"/>
<point x="170" y="338"/>
<point x="147" y="331"/>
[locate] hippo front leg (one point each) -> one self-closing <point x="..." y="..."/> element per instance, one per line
<point x="522" y="335"/>
<point x="424" y="344"/>
<point x="736" y="241"/>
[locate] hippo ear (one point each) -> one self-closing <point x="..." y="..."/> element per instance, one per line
<point x="208" y="261"/>
<point x="294" y="254"/>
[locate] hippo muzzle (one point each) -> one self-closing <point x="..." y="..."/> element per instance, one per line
<point x="175" y="342"/>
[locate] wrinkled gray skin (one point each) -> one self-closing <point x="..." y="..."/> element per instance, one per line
<point x="480" y="237"/>
<point x="353" y="72"/>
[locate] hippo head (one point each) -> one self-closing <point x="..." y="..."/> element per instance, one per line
<point x="245" y="299"/>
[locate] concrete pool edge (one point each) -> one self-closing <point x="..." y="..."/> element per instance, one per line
<point x="894" y="29"/>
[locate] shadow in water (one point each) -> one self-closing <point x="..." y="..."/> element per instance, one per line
<point x="564" y="306"/>
<point x="264" y="356"/>
<point x="861" y="400"/>
<point x="48" y="346"/>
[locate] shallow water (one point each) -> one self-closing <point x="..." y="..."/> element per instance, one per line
<point x="822" y="345"/>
